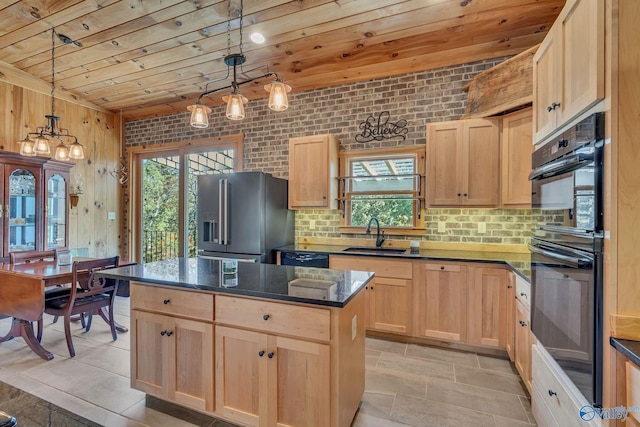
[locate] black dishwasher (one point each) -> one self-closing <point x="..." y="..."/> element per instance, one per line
<point x="305" y="259"/>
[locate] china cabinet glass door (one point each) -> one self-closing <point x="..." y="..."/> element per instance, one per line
<point x="22" y="209"/>
<point x="56" y="212"/>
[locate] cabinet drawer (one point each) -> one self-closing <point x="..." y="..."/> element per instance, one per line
<point x="381" y="267"/>
<point x="194" y="305"/>
<point x="442" y="266"/>
<point x="633" y="389"/>
<point x="560" y="398"/>
<point x="523" y="291"/>
<point x="274" y="318"/>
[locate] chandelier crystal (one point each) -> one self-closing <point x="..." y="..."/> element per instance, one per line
<point x="39" y="142"/>
<point x="278" y="99"/>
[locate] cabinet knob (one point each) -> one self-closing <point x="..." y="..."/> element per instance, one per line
<point x="459" y="194"/>
<point x="552" y="393"/>
<point x="265" y="317"/>
<point x="465" y="194"/>
<point x="169" y="333"/>
<point x="442" y="267"/>
<point x="163" y="333"/>
<point x="523" y="323"/>
<point x="270" y="355"/>
<point x="509" y="286"/>
<point x="167" y="301"/>
<point x="261" y="353"/>
<point x="372" y="288"/>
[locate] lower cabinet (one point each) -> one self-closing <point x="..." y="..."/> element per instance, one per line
<point x="440" y="303"/>
<point x="388" y="297"/>
<point x="510" y="334"/>
<point x="487" y="325"/>
<point x="523" y="343"/>
<point x="172" y="358"/>
<point x="266" y="377"/>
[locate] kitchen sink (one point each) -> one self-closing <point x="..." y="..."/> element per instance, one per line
<point x="372" y="250"/>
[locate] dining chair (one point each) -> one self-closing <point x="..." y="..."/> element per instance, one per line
<point x="88" y="295"/>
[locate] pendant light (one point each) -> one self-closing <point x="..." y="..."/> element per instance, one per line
<point x="278" y="99"/>
<point x="43" y="136"/>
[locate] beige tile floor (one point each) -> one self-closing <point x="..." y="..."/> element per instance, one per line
<point x="406" y="384"/>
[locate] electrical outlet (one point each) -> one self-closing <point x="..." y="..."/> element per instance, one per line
<point x="482" y="227"/>
<point x="111" y="216"/>
<point x="442" y="226"/>
<point x="312" y="224"/>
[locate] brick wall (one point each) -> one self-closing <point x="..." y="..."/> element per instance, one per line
<point x="418" y="98"/>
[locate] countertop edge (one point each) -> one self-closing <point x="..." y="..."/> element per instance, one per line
<point x="628" y="348"/>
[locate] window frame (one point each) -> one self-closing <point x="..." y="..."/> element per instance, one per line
<point x="347" y="157"/>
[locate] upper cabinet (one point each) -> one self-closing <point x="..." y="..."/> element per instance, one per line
<point x="313" y="172"/>
<point x="33" y="203"/>
<point x="463" y="163"/>
<point x="568" y="68"/>
<point x="515" y="156"/>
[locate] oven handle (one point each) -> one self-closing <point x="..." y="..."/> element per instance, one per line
<point x="573" y="261"/>
<point x="559" y="167"/>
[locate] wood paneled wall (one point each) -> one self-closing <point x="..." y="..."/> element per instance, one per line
<point x="22" y="110"/>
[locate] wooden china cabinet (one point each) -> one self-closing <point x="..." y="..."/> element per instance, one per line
<point x="34" y="209"/>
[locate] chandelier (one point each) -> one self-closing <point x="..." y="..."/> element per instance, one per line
<point x="277" y="90"/>
<point x="38" y="142"/>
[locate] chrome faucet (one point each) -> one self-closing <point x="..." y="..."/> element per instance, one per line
<point x="379" y="235"/>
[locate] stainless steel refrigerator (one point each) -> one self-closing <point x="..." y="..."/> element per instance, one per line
<point x="244" y="216"/>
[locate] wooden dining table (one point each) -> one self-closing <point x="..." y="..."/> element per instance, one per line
<point x="22" y="292"/>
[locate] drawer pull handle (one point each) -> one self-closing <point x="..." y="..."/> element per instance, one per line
<point x="509" y="286"/>
<point x="552" y="393"/>
<point x="261" y="353"/>
<point x="522" y="294"/>
<point x="167" y="301"/>
<point x="442" y="267"/>
<point x="266" y="317"/>
<point x="163" y="333"/>
<point x="270" y="355"/>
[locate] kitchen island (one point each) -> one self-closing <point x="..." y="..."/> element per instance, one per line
<point x="260" y="345"/>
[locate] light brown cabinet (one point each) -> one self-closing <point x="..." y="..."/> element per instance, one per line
<point x="523" y="335"/>
<point x="487" y="315"/>
<point x="515" y="159"/>
<point x="33" y="203"/>
<point x="510" y="307"/>
<point x="463" y="163"/>
<point x="388" y="296"/>
<point x="313" y="172"/>
<point x="171" y="356"/>
<point x="440" y="302"/>
<point x="568" y="68"/>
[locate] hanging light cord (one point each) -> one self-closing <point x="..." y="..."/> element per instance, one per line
<point x="53" y="71"/>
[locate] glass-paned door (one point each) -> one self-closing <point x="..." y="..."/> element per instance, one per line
<point x="169" y="199"/>
<point x="56" y="227"/>
<point x="22" y="210"/>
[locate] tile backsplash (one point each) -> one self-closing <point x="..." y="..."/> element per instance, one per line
<point x="461" y="225"/>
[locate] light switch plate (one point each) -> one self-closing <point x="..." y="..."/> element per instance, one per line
<point x="482" y="227"/>
<point x="111" y="216"/>
<point x="441" y="227"/>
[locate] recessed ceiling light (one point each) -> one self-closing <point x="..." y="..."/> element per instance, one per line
<point x="257" y="38"/>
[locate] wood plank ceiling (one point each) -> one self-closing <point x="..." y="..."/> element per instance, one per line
<point x="154" y="57"/>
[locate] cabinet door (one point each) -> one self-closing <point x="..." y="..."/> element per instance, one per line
<point x="545" y="84"/>
<point x="23" y="209"/>
<point x="444" y="163"/>
<point x="56" y="211"/>
<point x="191" y="382"/>
<point x="481" y="160"/>
<point x="440" y="305"/>
<point x="390" y="305"/>
<point x="312" y="169"/>
<point x="299" y="383"/>
<point x="487" y="307"/>
<point x="515" y="159"/>
<point x="241" y="375"/>
<point x="582" y="32"/>
<point x="510" y="324"/>
<point x="149" y="353"/>
<point x="523" y="344"/>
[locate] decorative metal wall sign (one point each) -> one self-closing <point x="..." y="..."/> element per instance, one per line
<point x="381" y="127"/>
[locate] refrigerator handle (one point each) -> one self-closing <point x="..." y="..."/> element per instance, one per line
<point x="220" y="209"/>
<point x="226" y="212"/>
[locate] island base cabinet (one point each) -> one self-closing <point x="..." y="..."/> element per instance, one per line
<point x="172" y="358"/>
<point x="266" y="380"/>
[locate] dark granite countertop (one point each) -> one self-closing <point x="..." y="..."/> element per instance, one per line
<point x="318" y="286"/>
<point x="628" y="348"/>
<point x="520" y="263"/>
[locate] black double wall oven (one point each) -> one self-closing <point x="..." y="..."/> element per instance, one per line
<point x="566" y="252"/>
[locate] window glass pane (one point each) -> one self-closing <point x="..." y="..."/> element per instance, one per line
<point x="375" y="174"/>
<point x="396" y="212"/>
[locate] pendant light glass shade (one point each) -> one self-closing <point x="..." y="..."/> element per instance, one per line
<point x="76" y="151"/>
<point x="278" y="100"/>
<point x="42" y="146"/>
<point x="27" y="147"/>
<point x="62" y="152"/>
<point x="235" y="106"/>
<point x="199" y="115"/>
